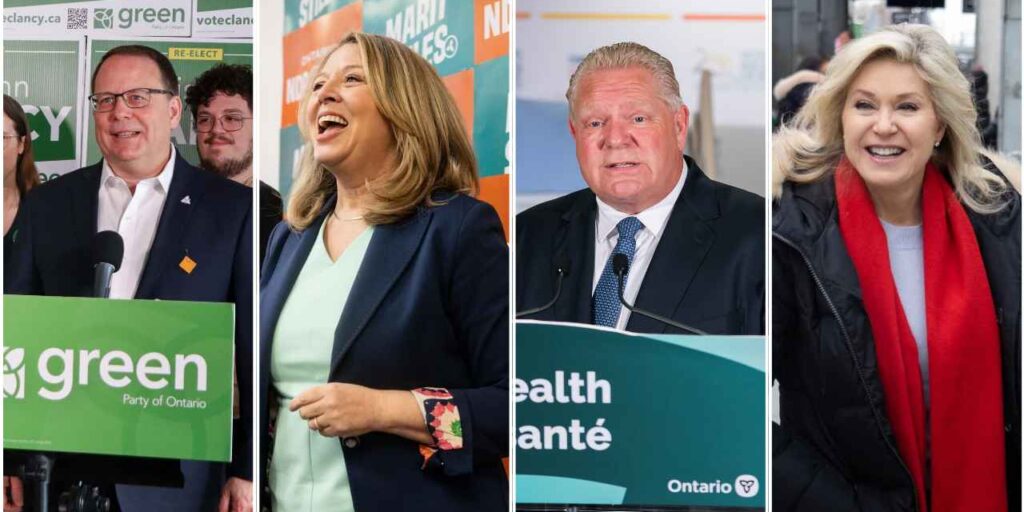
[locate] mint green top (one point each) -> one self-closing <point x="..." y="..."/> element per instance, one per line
<point x="307" y="471"/>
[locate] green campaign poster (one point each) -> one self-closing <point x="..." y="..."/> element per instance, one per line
<point x="439" y="30"/>
<point x="118" y="377"/>
<point x="611" y="418"/>
<point x="298" y="13"/>
<point x="490" y="126"/>
<point x="50" y="99"/>
<point x="291" y="152"/>
<point x="190" y="58"/>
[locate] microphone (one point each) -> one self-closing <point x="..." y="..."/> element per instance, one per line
<point x="620" y="265"/>
<point x="107" y="253"/>
<point x="562" y="266"/>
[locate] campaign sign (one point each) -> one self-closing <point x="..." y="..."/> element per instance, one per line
<point x="492" y="104"/>
<point x="98" y="17"/>
<point x="439" y="30"/>
<point x="222" y="18"/>
<point x="612" y="418"/>
<point x="118" y="377"/>
<point x="50" y="99"/>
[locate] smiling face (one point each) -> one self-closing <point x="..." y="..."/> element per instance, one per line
<point x="890" y="126"/>
<point x="223" y="152"/>
<point x="629" y="142"/>
<point x="135" y="140"/>
<point x="347" y="130"/>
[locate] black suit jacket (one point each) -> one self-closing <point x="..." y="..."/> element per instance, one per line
<point x="52" y="255"/>
<point x="707" y="271"/>
<point x="429" y="307"/>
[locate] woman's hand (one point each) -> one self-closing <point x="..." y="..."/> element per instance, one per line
<point x="339" y="410"/>
<point x="14" y="498"/>
<point x="346" y="410"/>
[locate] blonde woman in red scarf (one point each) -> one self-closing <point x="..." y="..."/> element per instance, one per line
<point x="896" y="306"/>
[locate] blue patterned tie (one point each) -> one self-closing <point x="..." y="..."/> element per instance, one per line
<point x="606" y="304"/>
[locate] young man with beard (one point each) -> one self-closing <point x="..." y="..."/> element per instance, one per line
<point x="221" y="106"/>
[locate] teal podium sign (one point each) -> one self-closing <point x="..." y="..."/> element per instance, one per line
<point x="118" y="377"/>
<point x="612" y="418"/>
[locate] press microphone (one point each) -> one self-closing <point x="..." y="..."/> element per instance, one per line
<point x="620" y="265"/>
<point x="107" y="253"/>
<point x="562" y="265"/>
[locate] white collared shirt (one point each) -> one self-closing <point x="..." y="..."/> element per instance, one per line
<point x="606" y="236"/>
<point x="135" y="217"/>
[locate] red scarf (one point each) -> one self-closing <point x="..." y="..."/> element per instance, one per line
<point x="968" y="468"/>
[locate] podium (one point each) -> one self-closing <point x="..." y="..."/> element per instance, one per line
<point x="608" y="420"/>
<point x="102" y="379"/>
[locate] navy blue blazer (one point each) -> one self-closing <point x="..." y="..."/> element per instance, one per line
<point x="52" y="255"/>
<point x="429" y="307"/>
<point x="707" y="271"/>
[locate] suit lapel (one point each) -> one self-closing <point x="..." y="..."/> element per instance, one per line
<point x="85" y="198"/>
<point x="292" y="259"/>
<point x="389" y="253"/>
<point x="174" y="221"/>
<point x="577" y="244"/>
<point x="688" y="236"/>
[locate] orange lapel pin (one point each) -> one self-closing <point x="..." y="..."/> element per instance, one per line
<point x="187" y="264"/>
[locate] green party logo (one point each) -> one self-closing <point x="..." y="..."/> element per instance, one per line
<point x="127" y="17"/>
<point x="14" y="372"/>
<point x="61" y="369"/>
<point x="103" y="18"/>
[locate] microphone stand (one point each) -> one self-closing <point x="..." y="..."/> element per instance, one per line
<point x="620" y="273"/>
<point x="558" y="291"/>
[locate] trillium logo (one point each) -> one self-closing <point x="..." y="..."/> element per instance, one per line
<point x="14" y="372"/>
<point x="103" y="18"/>
<point x="747" y="486"/>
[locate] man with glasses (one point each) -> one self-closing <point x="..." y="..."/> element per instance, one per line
<point x="220" y="101"/>
<point x="187" y="236"/>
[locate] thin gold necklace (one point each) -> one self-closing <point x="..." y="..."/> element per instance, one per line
<point x="335" y="214"/>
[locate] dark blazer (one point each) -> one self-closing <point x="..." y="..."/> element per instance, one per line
<point x="707" y="271"/>
<point x="429" y="307"/>
<point x="271" y="211"/>
<point x="52" y="255"/>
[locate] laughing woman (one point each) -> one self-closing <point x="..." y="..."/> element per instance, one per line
<point x="384" y="302"/>
<point x="896" y="263"/>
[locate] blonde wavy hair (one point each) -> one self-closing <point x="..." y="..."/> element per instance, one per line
<point x="431" y="145"/>
<point x="811" y="146"/>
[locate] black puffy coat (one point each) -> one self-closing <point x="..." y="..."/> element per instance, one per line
<point x="835" y="448"/>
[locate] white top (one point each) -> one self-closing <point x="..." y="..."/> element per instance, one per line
<point x="906" y="259"/>
<point x="606" y="235"/>
<point x="135" y="217"/>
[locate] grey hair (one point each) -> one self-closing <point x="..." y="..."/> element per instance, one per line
<point x="628" y="55"/>
<point x="811" y="146"/>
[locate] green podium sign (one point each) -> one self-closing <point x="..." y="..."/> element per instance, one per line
<point x="612" y="418"/>
<point x="118" y="377"/>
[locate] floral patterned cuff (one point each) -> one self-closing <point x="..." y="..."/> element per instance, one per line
<point x="442" y="418"/>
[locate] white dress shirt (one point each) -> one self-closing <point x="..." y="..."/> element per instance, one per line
<point x="135" y="217"/>
<point x="606" y="236"/>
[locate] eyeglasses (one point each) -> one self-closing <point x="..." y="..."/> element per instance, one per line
<point x="135" y="98"/>
<point x="230" y="122"/>
<point x="10" y="138"/>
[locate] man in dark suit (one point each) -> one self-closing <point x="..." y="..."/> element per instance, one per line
<point x="694" y="247"/>
<point x="187" y="236"/>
